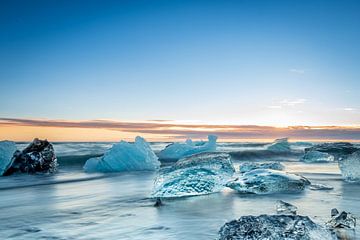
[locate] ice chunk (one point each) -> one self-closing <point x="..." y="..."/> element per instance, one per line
<point x="265" y="181"/>
<point x="38" y="157"/>
<point x="285" y="208"/>
<point x="316" y="156"/>
<point x="337" y="149"/>
<point x="280" y="145"/>
<point x="248" y="166"/>
<point x="319" y="186"/>
<point x="7" y="150"/>
<point x="199" y="174"/>
<point x="342" y="224"/>
<point x="274" y="227"/>
<point x="180" y="150"/>
<point x="125" y="156"/>
<point x="350" y="167"/>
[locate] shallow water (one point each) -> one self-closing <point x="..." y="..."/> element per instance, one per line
<point x="75" y="205"/>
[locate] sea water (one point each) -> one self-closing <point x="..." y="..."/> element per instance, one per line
<point x="72" y="204"/>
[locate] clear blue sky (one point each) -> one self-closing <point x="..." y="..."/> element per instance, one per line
<point x="243" y="62"/>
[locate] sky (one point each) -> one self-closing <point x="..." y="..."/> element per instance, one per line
<point x="206" y="64"/>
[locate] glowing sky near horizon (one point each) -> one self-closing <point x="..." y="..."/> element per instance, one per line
<point x="270" y="63"/>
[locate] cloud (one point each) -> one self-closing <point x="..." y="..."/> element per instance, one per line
<point x="297" y="71"/>
<point x="181" y="130"/>
<point x="349" y="109"/>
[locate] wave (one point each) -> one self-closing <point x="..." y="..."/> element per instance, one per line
<point x="265" y="155"/>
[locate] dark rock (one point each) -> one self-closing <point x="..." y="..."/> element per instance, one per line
<point x="39" y="156"/>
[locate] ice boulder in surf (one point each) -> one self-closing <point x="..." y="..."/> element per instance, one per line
<point x="7" y="150"/>
<point x="336" y="149"/>
<point x="198" y="174"/>
<point x="350" y="167"/>
<point x="248" y="166"/>
<point x="317" y="157"/>
<point x="125" y="156"/>
<point x="279" y="145"/>
<point x="179" y="150"/>
<point x="274" y="227"/>
<point x="266" y="181"/>
<point x="38" y="157"/>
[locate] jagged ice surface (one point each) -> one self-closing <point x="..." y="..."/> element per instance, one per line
<point x="350" y="167"/>
<point x="180" y="150"/>
<point x="248" y="166"/>
<point x="280" y="145"/>
<point x="316" y="156"/>
<point x="266" y="181"/>
<point x="198" y="174"/>
<point x="7" y="150"/>
<point x="125" y="156"/>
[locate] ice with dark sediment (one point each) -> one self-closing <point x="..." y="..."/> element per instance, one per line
<point x="350" y="167"/>
<point x="176" y="151"/>
<point x="342" y="224"/>
<point x="7" y="150"/>
<point x="125" y="156"/>
<point x="285" y="208"/>
<point x="273" y="227"/>
<point x="266" y="181"/>
<point x="198" y="174"/>
<point x="38" y="157"/>
<point x="248" y="166"/>
<point x="336" y="149"/>
<point x="317" y="157"/>
<point x="280" y="145"/>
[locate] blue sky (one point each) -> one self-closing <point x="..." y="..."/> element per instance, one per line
<point x="226" y="62"/>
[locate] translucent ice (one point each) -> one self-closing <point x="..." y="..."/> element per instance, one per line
<point x="125" y="156"/>
<point x="199" y="174"/>
<point x="248" y="166"/>
<point x="7" y="150"/>
<point x="320" y="186"/>
<point x="316" y="156"/>
<point x="280" y="145"/>
<point x="350" y="167"/>
<point x="342" y="224"/>
<point x="180" y="150"/>
<point x="265" y="181"/>
<point x="273" y="227"/>
<point x="285" y="208"/>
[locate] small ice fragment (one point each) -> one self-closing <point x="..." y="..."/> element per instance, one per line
<point x="280" y="145"/>
<point x="342" y="224"/>
<point x="180" y="150"/>
<point x="285" y="208"/>
<point x="248" y="166"/>
<point x="124" y="156"/>
<point x="320" y="186"/>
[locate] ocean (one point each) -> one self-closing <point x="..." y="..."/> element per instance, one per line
<point x="72" y="204"/>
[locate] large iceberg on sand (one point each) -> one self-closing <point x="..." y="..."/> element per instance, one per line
<point x="38" y="157"/>
<point x="248" y="166"/>
<point x="7" y="150"/>
<point x="280" y="145"/>
<point x="317" y="157"/>
<point x="350" y="167"/>
<point x="179" y="150"/>
<point x="198" y="174"/>
<point x="125" y="156"/>
<point x="274" y="227"/>
<point x="337" y="149"/>
<point x="266" y="181"/>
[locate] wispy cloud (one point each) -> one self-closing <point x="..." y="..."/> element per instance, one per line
<point x="175" y="130"/>
<point x="288" y="103"/>
<point x="349" y="109"/>
<point x="297" y="71"/>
